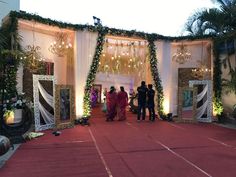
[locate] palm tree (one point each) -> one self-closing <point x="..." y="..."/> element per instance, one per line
<point x="217" y="21"/>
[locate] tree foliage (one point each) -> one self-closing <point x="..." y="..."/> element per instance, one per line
<point x="219" y="21"/>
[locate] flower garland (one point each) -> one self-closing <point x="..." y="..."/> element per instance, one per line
<point x="156" y="76"/>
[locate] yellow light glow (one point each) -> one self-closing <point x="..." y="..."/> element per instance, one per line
<point x="79" y="104"/>
<point x="166" y="105"/>
<point x="214" y="113"/>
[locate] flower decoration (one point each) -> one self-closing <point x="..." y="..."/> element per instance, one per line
<point x="18" y="102"/>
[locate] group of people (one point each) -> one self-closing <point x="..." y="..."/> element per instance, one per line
<point x="116" y="103"/>
<point x="146" y="96"/>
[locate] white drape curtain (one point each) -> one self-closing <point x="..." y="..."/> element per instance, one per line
<point x="202" y="94"/>
<point x="85" y="45"/>
<point x="201" y="110"/>
<point x="166" y="69"/>
<point x="47" y="116"/>
<point x="47" y="97"/>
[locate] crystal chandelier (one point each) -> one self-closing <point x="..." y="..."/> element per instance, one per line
<point x="181" y="55"/>
<point x="203" y="72"/>
<point x="32" y="58"/>
<point x="60" y="46"/>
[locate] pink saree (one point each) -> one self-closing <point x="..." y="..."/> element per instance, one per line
<point x="122" y="102"/>
<point x="111" y="105"/>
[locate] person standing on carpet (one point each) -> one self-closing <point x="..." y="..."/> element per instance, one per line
<point x="111" y="98"/>
<point x="150" y="102"/>
<point x="122" y="102"/>
<point x="142" y="92"/>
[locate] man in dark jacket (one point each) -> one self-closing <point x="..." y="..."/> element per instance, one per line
<point x="142" y="92"/>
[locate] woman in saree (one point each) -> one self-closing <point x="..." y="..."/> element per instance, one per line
<point x="111" y="98"/>
<point x="122" y="102"/>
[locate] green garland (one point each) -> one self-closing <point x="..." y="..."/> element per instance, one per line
<point x="9" y="59"/>
<point x="9" y="80"/>
<point x="92" y="73"/>
<point x="119" y="32"/>
<point x="217" y="80"/>
<point x="107" y="30"/>
<point x="95" y="64"/>
<point x="155" y="75"/>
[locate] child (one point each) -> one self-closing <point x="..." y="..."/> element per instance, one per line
<point x="104" y="107"/>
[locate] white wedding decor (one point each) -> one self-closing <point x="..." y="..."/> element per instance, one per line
<point x="43" y="118"/>
<point x="203" y="112"/>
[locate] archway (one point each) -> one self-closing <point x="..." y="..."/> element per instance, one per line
<point x="123" y="62"/>
<point x="95" y="65"/>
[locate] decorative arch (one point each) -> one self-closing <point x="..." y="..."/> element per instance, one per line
<point x="95" y="63"/>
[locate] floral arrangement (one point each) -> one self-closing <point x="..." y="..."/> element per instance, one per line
<point x="17" y="102"/>
<point x="9" y="106"/>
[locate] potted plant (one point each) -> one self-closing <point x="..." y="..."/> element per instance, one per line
<point x="13" y="110"/>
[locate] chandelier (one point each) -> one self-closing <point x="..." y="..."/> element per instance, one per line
<point x="32" y="58"/>
<point x="181" y="55"/>
<point x="61" y="46"/>
<point x="203" y="72"/>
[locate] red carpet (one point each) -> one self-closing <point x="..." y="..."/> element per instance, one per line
<point x="128" y="149"/>
<point x="71" y="154"/>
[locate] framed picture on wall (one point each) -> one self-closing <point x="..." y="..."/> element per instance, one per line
<point x="64" y="106"/>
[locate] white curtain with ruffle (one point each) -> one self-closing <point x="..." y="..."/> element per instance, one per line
<point x="202" y="109"/>
<point x="47" y="97"/>
<point x="85" y="45"/>
<point x="47" y="116"/>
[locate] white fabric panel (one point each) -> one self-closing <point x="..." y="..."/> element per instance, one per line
<point x="85" y="45"/>
<point x="47" y="97"/>
<point x="201" y="110"/>
<point x="115" y="80"/>
<point x="202" y="94"/>
<point x="167" y="75"/>
<point x="47" y="116"/>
